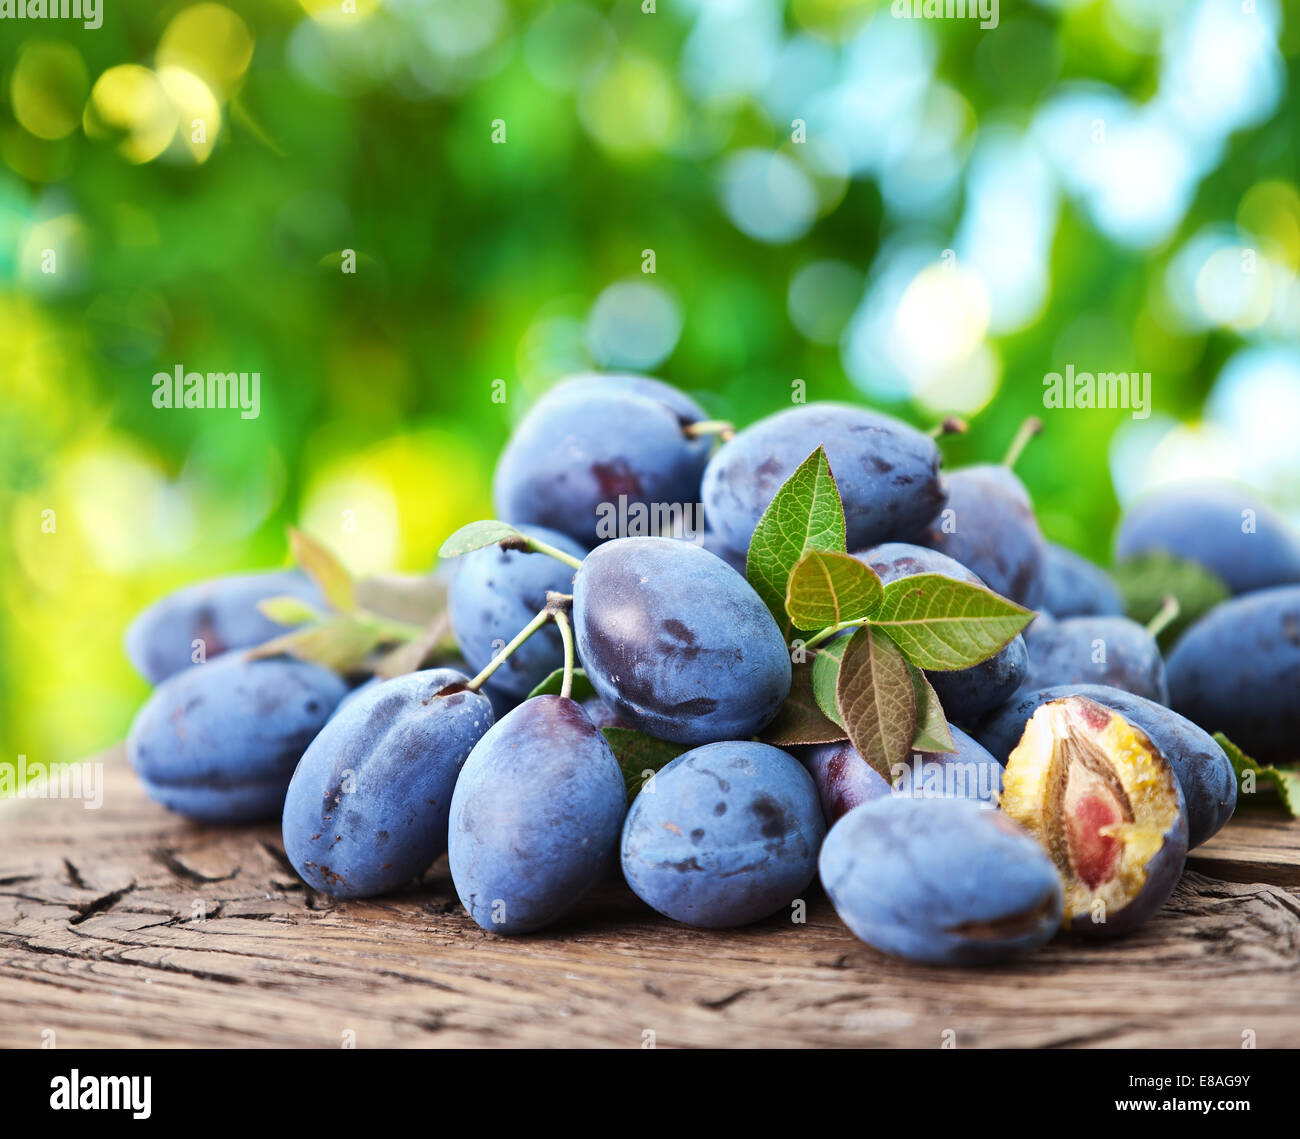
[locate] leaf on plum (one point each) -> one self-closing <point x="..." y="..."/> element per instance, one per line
<point x="476" y="535"/>
<point x="944" y="624"/>
<point x="1253" y="776"/>
<point x="826" y="677"/>
<point x="876" y="700"/>
<point x="417" y="598"/>
<point x="805" y="514"/>
<point x="289" y="610"/>
<point x="582" y="688"/>
<point x="801" y="720"/>
<point x="340" y="643"/>
<point x="639" y="756"/>
<point x="329" y="574"/>
<point x="1145" y="581"/>
<point x="827" y="587"/>
<point x="932" y="731"/>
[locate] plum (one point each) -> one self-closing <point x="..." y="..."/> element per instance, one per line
<point x="948" y="882"/>
<point x="989" y="527"/>
<point x="843" y="779"/>
<point x="968" y="692"/>
<point x="1237" y="671"/>
<point x="1203" y="769"/>
<point x="219" y="742"/>
<point x="1224" y="528"/>
<point x="887" y="472"/>
<point x="1113" y="651"/>
<point x="1074" y="587"/>
<point x="1107" y="807"/>
<point x="592" y="440"/>
<point x="210" y="618"/>
<point x="367" y="807"/>
<point x="535" y="817"/>
<point x="970" y="772"/>
<point x="676" y="642"/>
<point x="727" y="834"/>
<point x="494" y="594"/>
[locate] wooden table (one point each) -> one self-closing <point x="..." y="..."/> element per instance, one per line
<point x="129" y="926"/>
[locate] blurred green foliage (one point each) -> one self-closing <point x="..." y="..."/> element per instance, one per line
<point x="477" y="261"/>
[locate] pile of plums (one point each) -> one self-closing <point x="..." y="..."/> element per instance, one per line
<point x="1083" y="771"/>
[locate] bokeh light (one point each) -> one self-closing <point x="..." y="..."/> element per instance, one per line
<point x="130" y="107"/>
<point x="48" y="88"/>
<point x="633" y="325"/>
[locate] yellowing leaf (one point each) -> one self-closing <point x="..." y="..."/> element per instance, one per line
<point x="827" y="587"/>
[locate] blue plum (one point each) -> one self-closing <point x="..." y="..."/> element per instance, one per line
<point x="367" y="807"/>
<point x="1106" y="805"/>
<point x="845" y="780"/>
<point x="219" y="742"/>
<point x="676" y="642"/>
<point x="727" y="834"/>
<point x="220" y="614"/>
<point x="989" y="527"/>
<point x="970" y="772"/>
<point x="1203" y="769"/>
<point x="1074" y="587"/>
<point x="948" y="882"/>
<point x="969" y="692"/>
<point x="592" y="440"/>
<point x="1226" y="529"/>
<point x="1096" y="650"/>
<point x="535" y="817"/>
<point x="886" y="470"/>
<point x="494" y="594"/>
<point x="1237" y="671"/>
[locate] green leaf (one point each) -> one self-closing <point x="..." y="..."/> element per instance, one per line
<point x="329" y="574"/>
<point x="944" y="624"/>
<point x="805" y="514"/>
<point x="827" y="587"/>
<point x="1252" y="776"/>
<point x="582" y="689"/>
<point x="639" y="756"/>
<point x="826" y="677"/>
<point x="340" y="643"/>
<point x="1146" y="580"/>
<point x="932" y="731"/>
<point x="289" y="610"/>
<point x="477" y="535"/>
<point x="801" y="720"/>
<point x="414" y="654"/>
<point x="417" y="598"/>
<point x="876" y="700"/>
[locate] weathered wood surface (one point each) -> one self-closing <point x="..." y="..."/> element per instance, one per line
<point x="127" y="926"/>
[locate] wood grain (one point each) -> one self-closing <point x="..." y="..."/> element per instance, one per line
<point x="127" y="926"/>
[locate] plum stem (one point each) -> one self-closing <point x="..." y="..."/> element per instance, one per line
<point x="722" y="428"/>
<point x="536" y="546"/>
<point x="830" y="631"/>
<point x="566" y="635"/>
<point x="1031" y="427"/>
<point x="951" y="425"/>
<point x="504" y="655"/>
<point x="1167" y="613"/>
